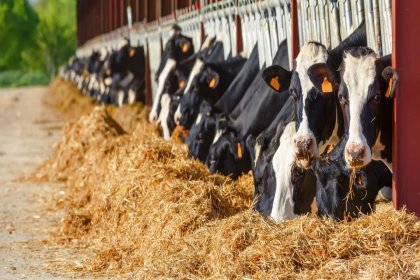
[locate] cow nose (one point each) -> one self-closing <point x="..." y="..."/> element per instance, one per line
<point x="303" y="143"/>
<point x="355" y="153"/>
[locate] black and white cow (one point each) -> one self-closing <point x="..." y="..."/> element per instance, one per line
<point x="342" y="194"/>
<point x="210" y="84"/>
<point x="366" y="96"/>
<point x="314" y="84"/>
<point x="178" y="48"/>
<point x="255" y="111"/>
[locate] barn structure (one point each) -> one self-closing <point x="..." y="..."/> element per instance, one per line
<point x="390" y="26"/>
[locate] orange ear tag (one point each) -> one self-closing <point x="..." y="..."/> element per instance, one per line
<point x="212" y="83"/>
<point x="326" y="86"/>
<point x="185" y="47"/>
<point x="185" y="133"/>
<point x="388" y="91"/>
<point x="181" y="84"/>
<point x="274" y="83"/>
<point x="239" y="151"/>
<point x="132" y="52"/>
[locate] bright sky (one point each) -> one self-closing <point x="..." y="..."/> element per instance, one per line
<point x="33" y="2"/>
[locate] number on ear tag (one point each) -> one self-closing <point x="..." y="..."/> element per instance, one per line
<point x="274" y="83"/>
<point x="239" y="151"/>
<point x="132" y="52"/>
<point x="391" y="84"/>
<point x="181" y="84"/>
<point x="326" y="86"/>
<point x="212" y="83"/>
<point x="185" y="47"/>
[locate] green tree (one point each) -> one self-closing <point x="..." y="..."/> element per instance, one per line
<point x="18" y="22"/>
<point x="55" y="36"/>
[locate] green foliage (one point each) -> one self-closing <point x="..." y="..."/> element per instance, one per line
<point x="16" y="78"/>
<point x="35" y="43"/>
<point x="18" y="23"/>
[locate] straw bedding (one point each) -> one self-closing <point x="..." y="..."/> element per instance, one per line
<point x="144" y="208"/>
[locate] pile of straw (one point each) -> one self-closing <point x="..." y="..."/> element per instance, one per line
<point x="145" y="209"/>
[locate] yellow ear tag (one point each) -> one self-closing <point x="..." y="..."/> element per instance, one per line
<point x="132" y="52"/>
<point x="274" y="83"/>
<point x="239" y="151"/>
<point x="326" y="86"/>
<point x="181" y="84"/>
<point x="212" y="83"/>
<point x="185" y="47"/>
<point x="388" y="91"/>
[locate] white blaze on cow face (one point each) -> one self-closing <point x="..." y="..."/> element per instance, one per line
<point x="283" y="203"/>
<point x="219" y="133"/>
<point x="163" y="116"/>
<point x="170" y="64"/>
<point x="177" y="115"/>
<point x="309" y="55"/>
<point x="199" y="117"/>
<point x="359" y="74"/>
<point x="120" y="98"/>
<point x="257" y="153"/>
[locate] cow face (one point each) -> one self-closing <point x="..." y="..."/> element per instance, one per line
<point x="177" y="48"/>
<point x="313" y="84"/>
<point x="365" y="91"/>
<point x="202" y="133"/>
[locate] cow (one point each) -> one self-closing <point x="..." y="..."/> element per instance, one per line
<point x="203" y="130"/>
<point x="255" y="111"/>
<point x="209" y="84"/>
<point x="177" y="48"/>
<point x="366" y="96"/>
<point x="342" y="193"/>
<point x="314" y="84"/>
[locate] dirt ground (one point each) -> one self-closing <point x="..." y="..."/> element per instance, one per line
<point x="28" y="130"/>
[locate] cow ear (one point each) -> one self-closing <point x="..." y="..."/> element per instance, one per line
<point x="322" y="77"/>
<point x="213" y="80"/>
<point x="391" y="77"/>
<point x="184" y="45"/>
<point x="277" y="78"/>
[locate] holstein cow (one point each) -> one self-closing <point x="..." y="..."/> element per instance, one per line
<point x="183" y="116"/>
<point x="203" y="129"/>
<point x="342" y="193"/>
<point x="366" y="95"/>
<point x="314" y="84"/>
<point x="178" y="48"/>
<point x="257" y="108"/>
<point x="366" y="98"/>
<point x="209" y="84"/>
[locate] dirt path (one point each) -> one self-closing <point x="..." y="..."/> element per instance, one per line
<point x="27" y="132"/>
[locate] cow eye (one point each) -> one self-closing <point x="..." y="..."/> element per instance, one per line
<point x="377" y="98"/>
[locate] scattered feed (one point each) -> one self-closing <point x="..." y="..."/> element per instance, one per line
<point x="143" y="207"/>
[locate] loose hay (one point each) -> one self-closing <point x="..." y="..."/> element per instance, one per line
<point x="142" y="206"/>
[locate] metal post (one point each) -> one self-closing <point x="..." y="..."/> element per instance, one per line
<point x="406" y="148"/>
<point x="239" y="43"/>
<point x="295" y="29"/>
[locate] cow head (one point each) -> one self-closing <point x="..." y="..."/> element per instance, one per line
<point x="313" y="85"/>
<point x="177" y="48"/>
<point x="202" y="132"/>
<point x="367" y="88"/>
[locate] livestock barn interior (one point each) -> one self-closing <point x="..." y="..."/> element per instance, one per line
<point x="271" y="139"/>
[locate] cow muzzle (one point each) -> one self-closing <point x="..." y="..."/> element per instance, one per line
<point x="305" y="151"/>
<point x="356" y="155"/>
<point x="153" y="117"/>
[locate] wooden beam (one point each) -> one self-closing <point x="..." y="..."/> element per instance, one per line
<point x="295" y="28"/>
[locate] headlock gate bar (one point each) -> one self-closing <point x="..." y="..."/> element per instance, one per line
<point x="391" y="28"/>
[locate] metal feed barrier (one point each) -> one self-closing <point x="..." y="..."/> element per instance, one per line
<point x="331" y="21"/>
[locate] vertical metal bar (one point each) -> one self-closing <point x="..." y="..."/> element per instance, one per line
<point x="239" y="43"/>
<point x="295" y="29"/>
<point x="405" y="163"/>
